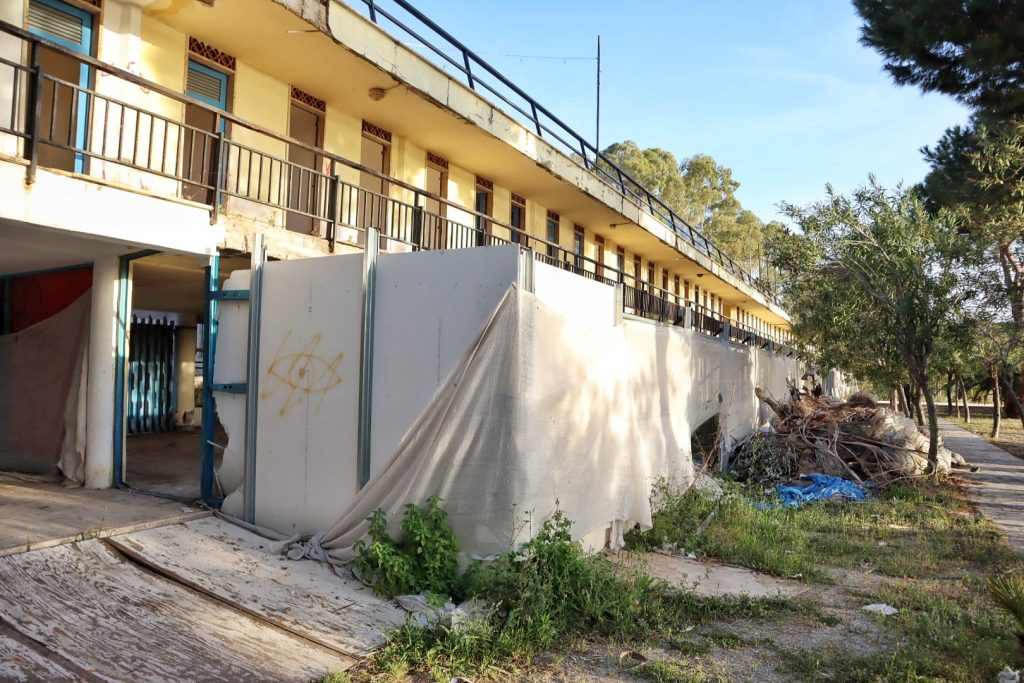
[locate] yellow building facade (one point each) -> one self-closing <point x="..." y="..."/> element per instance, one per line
<point x="172" y="131"/>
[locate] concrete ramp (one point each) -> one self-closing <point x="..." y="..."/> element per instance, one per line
<point x="200" y="601"/>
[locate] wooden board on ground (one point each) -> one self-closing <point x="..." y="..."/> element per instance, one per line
<point x="232" y="564"/>
<point x="107" y="616"/>
<point x="20" y="662"/>
<point x="39" y="515"/>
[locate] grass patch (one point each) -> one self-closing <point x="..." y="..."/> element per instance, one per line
<point x="544" y="596"/>
<point x="662" y="671"/>
<point x="903" y="531"/>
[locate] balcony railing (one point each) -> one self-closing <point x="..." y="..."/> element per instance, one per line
<point x="79" y="129"/>
<point x="481" y="76"/>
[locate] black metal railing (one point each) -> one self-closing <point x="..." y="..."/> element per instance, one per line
<point x="74" y="127"/>
<point x="482" y="76"/>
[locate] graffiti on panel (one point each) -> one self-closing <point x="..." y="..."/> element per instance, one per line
<point x="299" y="372"/>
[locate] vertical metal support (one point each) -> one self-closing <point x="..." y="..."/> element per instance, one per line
<point x="120" y="367"/>
<point x="417" y="222"/>
<point x="366" y="366"/>
<point x="469" y="71"/>
<point x="373" y="11"/>
<point x="206" y="477"/>
<point x="332" y="208"/>
<point x="724" y="441"/>
<point x="687" y="317"/>
<point x="252" y="382"/>
<point x="220" y="170"/>
<point x="526" y="282"/>
<point x="35" y="115"/>
<point x="620" y="302"/>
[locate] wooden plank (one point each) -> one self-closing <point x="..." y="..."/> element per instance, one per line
<point x="19" y="662"/>
<point x="101" y="532"/>
<point x="233" y="564"/>
<point x="107" y="616"/>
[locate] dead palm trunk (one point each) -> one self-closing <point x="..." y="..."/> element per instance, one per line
<point x="1007" y="378"/>
<point x="894" y="400"/>
<point x="904" y="403"/>
<point x="996" y="400"/>
<point x="917" y="403"/>
<point x="949" y="394"/>
<point x="963" y="396"/>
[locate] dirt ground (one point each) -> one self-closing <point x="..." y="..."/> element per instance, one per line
<point x="746" y="650"/>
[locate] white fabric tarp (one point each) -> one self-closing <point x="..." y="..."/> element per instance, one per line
<point x="547" y="413"/>
<point x="42" y="409"/>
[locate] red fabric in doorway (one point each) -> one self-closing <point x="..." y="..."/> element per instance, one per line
<point x="35" y="298"/>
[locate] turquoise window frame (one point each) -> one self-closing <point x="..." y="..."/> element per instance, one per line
<point x="84" y="72"/>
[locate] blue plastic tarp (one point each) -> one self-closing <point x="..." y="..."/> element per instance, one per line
<point x="822" y="487"/>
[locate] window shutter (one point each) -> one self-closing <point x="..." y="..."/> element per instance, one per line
<point x="50" y="20"/>
<point x="205" y="85"/>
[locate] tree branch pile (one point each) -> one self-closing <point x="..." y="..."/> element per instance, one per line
<point x="857" y="440"/>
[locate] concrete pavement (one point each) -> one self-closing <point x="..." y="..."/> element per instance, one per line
<point x="998" y="487"/>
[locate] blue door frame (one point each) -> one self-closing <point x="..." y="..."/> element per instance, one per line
<point x="84" y="72"/>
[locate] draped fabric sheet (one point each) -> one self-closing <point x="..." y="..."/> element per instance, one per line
<point x="42" y="405"/>
<point x="547" y="413"/>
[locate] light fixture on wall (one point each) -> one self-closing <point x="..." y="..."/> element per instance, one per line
<point x="377" y="94"/>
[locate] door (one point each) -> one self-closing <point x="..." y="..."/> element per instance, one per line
<point x="305" y="193"/>
<point x="483" y="205"/>
<point x="371" y="208"/>
<point x="199" y="153"/>
<point x="65" y="111"/>
<point x="434" y="233"/>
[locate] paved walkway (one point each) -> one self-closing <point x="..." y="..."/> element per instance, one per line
<point x="998" y="488"/>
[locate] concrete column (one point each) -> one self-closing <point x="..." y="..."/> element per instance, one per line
<point x="103" y="330"/>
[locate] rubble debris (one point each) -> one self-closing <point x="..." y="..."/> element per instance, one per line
<point x="881" y="608"/>
<point x="856" y="440"/>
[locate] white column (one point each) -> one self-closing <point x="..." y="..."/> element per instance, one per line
<point x="103" y="331"/>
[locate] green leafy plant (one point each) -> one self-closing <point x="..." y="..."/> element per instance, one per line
<point x="424" y="559"/>
<point x="1008" y="592"/>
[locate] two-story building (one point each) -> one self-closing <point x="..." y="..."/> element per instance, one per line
<point x="143" y="143"/>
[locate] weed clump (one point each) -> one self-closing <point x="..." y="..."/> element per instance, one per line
<point x="543" y="594"/>
<point x="424" y="559"/>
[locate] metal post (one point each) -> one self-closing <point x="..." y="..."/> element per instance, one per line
<point x="206" y="477"/>
<point x="220" y="170"/>
<point x="619" y="302"/>
<point x="526" y="270"/>
<point x="332" y="208"/>
<point x="252" y="388"/>
<point x="35" y="102"/>
<point x="597" y="126"/>
<point x="366" y="367"/>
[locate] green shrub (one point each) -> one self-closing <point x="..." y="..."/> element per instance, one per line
<point x="424" y="559"/>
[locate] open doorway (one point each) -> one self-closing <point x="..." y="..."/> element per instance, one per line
<point x="164" y="376"/>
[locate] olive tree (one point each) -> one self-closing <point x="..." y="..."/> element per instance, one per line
<point x="870" y="284"/>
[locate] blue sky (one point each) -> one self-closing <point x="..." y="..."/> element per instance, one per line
<point x="781" y="92"/>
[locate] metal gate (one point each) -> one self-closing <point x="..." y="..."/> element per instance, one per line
<point x="152" y="394"/>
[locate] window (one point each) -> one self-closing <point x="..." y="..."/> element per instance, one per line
<point x="620" y="263"/>
<point x="552" y="234"/>
<point x="64" y="119"/>
<point x="650" y="274"/>
<point x="637" y="272"/>
<point x="484" y="204"/>
<point x="517" y="217"/>
<point x="664" y="281"/>
<point x="375" y="154"/>
<point x="676" y="287"/>
<point x="209" y="86"/>
<point x="578" y="238"/>
<point x="433" y="231"/>
<point x="306" y="192"/>
<point x="602" y="272"/>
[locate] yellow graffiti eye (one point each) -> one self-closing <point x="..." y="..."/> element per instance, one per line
<point x="301" y="373"/>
